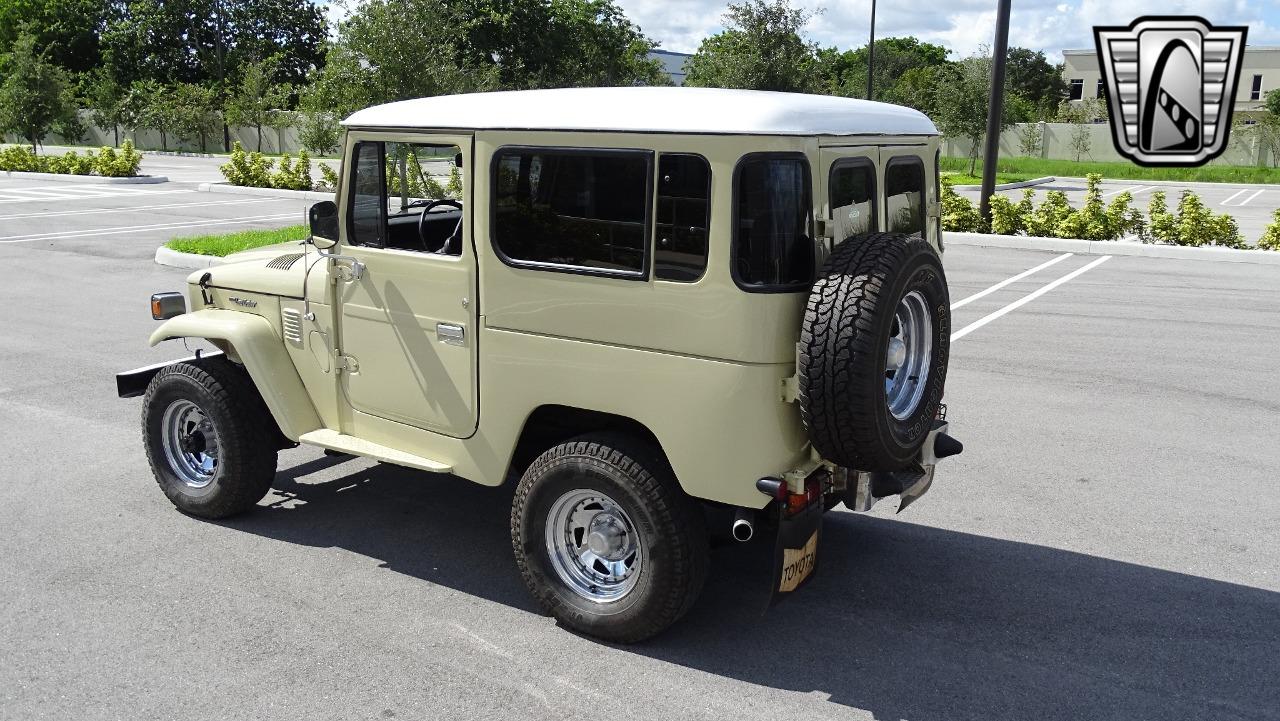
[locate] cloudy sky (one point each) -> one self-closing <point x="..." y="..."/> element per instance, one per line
<point x="960" y="25"/>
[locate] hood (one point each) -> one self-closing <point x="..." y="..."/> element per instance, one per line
<point x="273" y="270"/>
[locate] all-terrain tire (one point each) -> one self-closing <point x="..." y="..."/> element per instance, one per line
<point x="671" y="534"/>
<point x="848" y="322"/>
<point x="245" y="436"/>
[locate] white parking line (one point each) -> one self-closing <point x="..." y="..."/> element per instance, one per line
<point x="133" y="208"/>
<point x="1250" y="199"/>
<point x="1237" y="195"/>
<point x="1132" y="190"/>
<point x="1014" y="279"/>
<point x="8" y="195"/>
<point x="1026" y="299"/>
<point x="61" y="235"/>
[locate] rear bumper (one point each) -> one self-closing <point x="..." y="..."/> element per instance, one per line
<point x="863" y="490"/>
<point x="131" y="384"/>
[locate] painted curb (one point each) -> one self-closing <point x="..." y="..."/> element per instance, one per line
<point x="88" y="179"/>
<point x="1012" y="186"/>
<point x="189" y="261"/>
<point x="304" y="195"/>
<point x="1114" y="247"/>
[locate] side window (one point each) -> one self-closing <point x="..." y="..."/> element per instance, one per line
<point x="394" y="184"/>
<point x="585" y="210"/>
<point x="684" y="215"/>
<point x="772" y="249"/>
<point x="904" y="195"/>
<point x="853" y="193"/>
<point x="367" y="195"/>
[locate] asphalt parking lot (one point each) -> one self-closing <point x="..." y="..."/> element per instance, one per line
<point x="1106" y="547"/>
<point x="1251" y="205"/>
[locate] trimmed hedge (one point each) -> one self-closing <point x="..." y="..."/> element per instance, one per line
<point x="107" y="162"/>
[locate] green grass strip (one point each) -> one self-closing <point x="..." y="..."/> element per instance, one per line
<point x="228" y="243"/>
<point x="1039" y="167"/>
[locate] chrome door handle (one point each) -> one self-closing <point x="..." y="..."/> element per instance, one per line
<point x="451" y="333"/>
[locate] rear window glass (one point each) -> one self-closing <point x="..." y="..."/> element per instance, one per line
<point x="904" y="195"/>
<point x="579" y="209"/>
<point x="772" y="246"/>
<point x="853" y="192"/>
<point x="684" y="214"/>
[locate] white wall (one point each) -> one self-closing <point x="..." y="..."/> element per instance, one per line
<point x="1056" y="145"/>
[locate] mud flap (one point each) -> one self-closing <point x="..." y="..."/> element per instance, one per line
<point x="795" y="554"/>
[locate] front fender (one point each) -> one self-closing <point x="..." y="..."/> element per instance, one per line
<point x="253" y="342"/>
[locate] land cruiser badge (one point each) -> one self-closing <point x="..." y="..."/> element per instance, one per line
<point x="1171" y="83"/>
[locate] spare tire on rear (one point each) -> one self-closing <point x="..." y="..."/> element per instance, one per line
<point x="873" y="351"/>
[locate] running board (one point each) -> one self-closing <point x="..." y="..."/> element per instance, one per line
<point x="335" y="441"/>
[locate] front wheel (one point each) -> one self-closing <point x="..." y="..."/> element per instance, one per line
<point x="606" y="540"/>
<point x="209" y="438"/>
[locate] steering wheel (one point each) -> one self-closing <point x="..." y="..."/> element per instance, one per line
<point x="422" y="225"/>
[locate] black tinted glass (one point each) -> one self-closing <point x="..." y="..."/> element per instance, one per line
<point x="579" y="208"/>
<point x="904" y="195"/>
<point x="772" y="248"/>
<point x="684" y="214"/>
<point x="853" y="192"/>
<point x="366" y="195"/>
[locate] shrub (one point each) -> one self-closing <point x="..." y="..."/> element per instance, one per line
<point x="1198" y="226"/>
<point x="1047" y="218"/>
<point x="72" y="163"/>
<point x="1005" y="216"/>
<point x="247" y="169"/>
<point x="1270" y="239"/>
<point x="291" y="175"/>
<point x="19" y="158"/>
<point x="1090" y="221"/>
<point x="118" y="164"/>
<point x="958" y="214"/>
<point x="1163" y="223"/>
<point x="328" y="178"/>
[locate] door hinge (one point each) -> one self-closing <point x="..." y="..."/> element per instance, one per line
<point x="346" y="363"/>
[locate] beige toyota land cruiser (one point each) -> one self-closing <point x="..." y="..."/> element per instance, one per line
<point x="670" y="312"/>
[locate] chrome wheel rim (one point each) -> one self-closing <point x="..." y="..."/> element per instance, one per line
<point x="593" y="546"/>
<point x="907" y="357"/>
<point x="190" y="443"/>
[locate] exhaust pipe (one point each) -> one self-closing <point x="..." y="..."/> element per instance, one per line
<point x="743" y="525"/>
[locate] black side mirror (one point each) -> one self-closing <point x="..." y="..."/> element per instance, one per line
<point x="324" y="224"/>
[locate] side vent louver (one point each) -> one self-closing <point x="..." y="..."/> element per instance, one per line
<point x="285" y="262"/>
<point x="291" y="320"/>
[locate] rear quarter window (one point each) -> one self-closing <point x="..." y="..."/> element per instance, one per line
<point x="773" y="250"/>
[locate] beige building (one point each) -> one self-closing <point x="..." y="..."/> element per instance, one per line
<point x="1259" y="75"/>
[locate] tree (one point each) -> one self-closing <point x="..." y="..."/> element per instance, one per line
<point x="157" y="109"/>
<point x="33" y="95"/>
<point x="845" y="73"/>
<point x="108" y="102"/>
<point x="66" y="31"/>
<point x="395" y="50"/>
<point x="1260" y="130"/>
<point x="961" y="103"/>
<point x="257" y="99"/>
<point x="195" y="112"/>
<point x="207" y="41"/>
<point x="565" y="43"/>
<point x="762" y="49"/>
<point x="1033" y="77"/>
<point x="1081" y="114"/>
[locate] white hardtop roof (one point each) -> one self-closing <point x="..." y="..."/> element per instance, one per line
<point x="650" y="110"/>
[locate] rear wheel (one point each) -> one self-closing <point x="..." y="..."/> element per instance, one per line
<point x="210" y="440"/>
<point x="606" y="540"/>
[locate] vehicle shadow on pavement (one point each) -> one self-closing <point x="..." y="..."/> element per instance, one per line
<point x="902" y="620"/>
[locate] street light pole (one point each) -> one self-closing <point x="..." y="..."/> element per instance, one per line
<point x="992" y="155"/>
<point x="871" y="55"/>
